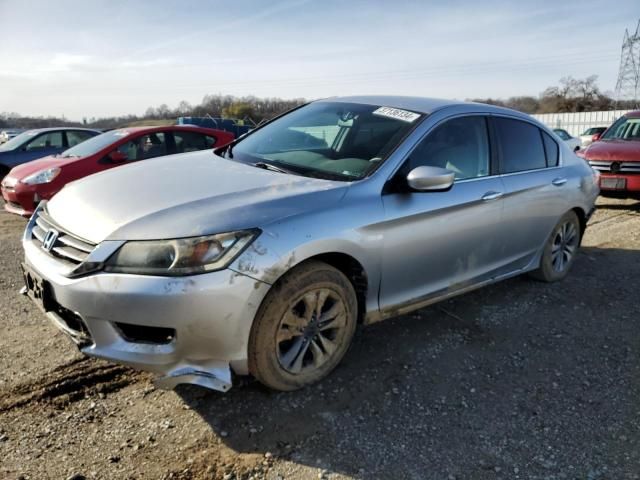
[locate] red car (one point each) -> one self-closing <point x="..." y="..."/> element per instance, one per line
<point x="27" y="184"/>
<point x="616" y="155"/>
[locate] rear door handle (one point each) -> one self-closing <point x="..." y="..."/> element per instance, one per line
<point x="491" y="196"/>
<point x="559" y="181"/>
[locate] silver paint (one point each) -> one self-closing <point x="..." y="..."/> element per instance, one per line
<point x="415" y="248"/>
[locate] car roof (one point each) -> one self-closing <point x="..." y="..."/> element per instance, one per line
<point x="155" y="128"/>
<point x="55" y="129"/>
<point x="633" y="114"/>
<point x="416" y="104"/>
<point x="424" y="105"/>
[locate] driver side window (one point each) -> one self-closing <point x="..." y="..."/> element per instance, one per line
<point x="144" y="147"/>
<point x="45" y="141"/>
<point x="460" y="145"/>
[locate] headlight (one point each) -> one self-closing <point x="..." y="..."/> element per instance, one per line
<point x="184" y="256"/>
<point x="43" y="176"/>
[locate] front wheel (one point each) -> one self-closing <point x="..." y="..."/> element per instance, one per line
<point x="303" y="327"/>
<point x="561" y="249"/>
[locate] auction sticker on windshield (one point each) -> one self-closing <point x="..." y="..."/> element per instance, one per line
<point x="397" y="113"/>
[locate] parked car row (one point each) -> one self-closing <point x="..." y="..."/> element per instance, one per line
<point x="262" y="256"/>
<point x="38" y="143"/>
<point x="30" y="182"/>
<point x="585" y="139"/>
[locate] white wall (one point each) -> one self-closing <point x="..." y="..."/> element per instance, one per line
<point x="576" y="123"/>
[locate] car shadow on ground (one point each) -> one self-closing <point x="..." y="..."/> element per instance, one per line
<point x="612" y="203"/>
<point x="468" y="387"/>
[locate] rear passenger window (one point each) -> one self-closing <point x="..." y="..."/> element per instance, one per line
<point x="520" y="144"/>
<point x="550" y="149"/>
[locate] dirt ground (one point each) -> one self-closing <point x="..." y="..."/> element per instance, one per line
<point x="521" y="380"/>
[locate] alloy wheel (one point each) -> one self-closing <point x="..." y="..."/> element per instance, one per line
<point x="564" y="246"/>
<point x="311" y="330"/>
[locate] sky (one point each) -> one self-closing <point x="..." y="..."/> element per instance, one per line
<point x="96" y="58"/>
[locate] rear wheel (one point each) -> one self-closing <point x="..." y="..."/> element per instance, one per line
<point x="561" y="249"/>
<point x="303" y="327"/>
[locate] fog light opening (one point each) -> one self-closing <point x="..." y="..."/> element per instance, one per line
<point x="143" y="334"/>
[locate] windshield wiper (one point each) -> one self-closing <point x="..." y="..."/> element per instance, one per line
<point x="273" y="168"/>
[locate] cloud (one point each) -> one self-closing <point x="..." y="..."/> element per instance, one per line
<point x="227" y="26"/>
<point x="37" y="68"/>
<point x="67" y="61"/>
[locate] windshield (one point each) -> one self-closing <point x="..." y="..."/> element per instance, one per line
<point x="623" y="129"/>
<point x="95" y="144"/>
<point x="18" y="140"/>
<point x="343" y="141"/>
<point x="594" y="130"/>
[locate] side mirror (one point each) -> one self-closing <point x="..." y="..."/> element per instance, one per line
<point x="596" y="137"/>
<point x="118" y="157"/>
<point x="425" y="179"/>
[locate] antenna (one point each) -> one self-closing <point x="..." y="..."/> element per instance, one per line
<point x="628" y="84"/>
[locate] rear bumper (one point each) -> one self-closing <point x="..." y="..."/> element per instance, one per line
<point x="205" y="319"/>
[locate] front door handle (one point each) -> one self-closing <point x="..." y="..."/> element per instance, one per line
<point x="559" y="181"/>
<point x="491" y="196"/>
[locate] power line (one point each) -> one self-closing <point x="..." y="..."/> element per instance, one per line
<point x="628" y="84"/>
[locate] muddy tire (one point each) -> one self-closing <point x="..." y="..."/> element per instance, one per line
<point x="561" y="250"/>
<point x="303" y="328"/>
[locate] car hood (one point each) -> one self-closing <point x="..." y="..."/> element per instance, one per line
<point x="21" y="171"/>
<point x="185" y="195"/>
<point x="613" y="150"/>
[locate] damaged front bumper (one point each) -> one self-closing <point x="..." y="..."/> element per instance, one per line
<point x="191" y="329"/>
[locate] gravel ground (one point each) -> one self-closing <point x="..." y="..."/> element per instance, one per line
<point x="520" y="380"/>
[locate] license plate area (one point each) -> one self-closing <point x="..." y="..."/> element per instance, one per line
<point x="38" y="289"/>
<point x="609" y="183"/>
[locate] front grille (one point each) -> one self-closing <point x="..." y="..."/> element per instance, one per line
<point x="613" y="166"/>
<point x="66" y="247"/>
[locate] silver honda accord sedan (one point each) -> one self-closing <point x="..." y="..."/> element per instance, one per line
<point x="262" y="257"/>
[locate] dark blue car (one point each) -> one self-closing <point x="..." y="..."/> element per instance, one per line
<point x="39" y="143"/>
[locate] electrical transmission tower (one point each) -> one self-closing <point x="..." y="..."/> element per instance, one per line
<point x="628" y="85"/>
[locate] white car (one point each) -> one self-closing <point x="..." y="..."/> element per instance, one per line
<point x="573" y="142"/>
<point x="590" y="135"/>
<point x="8" y="134"/>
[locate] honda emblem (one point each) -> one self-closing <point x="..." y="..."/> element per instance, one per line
<point x="50" y="239"/>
